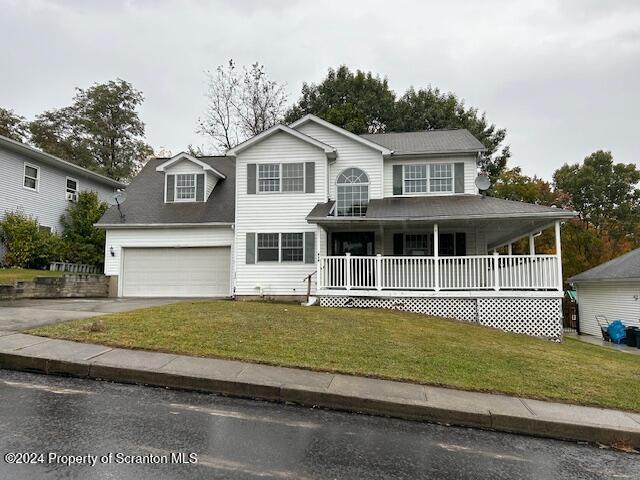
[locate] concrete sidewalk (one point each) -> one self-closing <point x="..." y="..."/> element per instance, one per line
<point x="341" y="392"/>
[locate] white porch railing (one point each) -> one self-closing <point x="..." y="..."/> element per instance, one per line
<point x="478" y="272"/>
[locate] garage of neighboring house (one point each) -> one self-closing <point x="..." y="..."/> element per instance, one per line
<point x="610" y="290"/>
<point x="176" y="272"/>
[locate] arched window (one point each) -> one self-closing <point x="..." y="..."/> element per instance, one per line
<point x="353" y="193"/>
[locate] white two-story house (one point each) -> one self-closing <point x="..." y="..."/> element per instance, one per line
<point x="383" y="220"/>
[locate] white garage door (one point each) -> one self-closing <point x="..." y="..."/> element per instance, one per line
<point x="176" y="272"/>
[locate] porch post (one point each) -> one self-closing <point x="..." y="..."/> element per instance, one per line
<point x="347" y="270"/>
<point x="379" y="271"/>
<point x="436" y="262"/>
<point x="559" y="255"/>
<point x="496" y="272"/>
<point x="510" y="249"/>
<point x="532" y="245"/>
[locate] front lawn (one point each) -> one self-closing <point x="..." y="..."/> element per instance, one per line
<point x="9" y="276"/>
<point x="380" y="343"/>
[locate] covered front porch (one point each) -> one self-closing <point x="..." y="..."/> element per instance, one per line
<point x="401" y="248"/>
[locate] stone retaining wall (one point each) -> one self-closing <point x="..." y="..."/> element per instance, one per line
<point x="67" y="286"/>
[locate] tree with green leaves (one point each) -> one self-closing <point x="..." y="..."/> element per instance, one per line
<point x="359" y="102"/>
<point x="512" y="184"/>
<point x="84" y="242"/>
<point x="430" y="109"/>
<point x="362" y="102"/>
<point x="13" y="126"/>
<point x="604" y="193"/>
<point x="101" y="130"/>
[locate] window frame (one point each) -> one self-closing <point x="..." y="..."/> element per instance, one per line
<point x="175" y="187"/>
<point x="25" y="176"/>
<point x="430" y="249"/>
<point x="280" y="248"/>
<point x="280" y="178"/>
<point x="68" y="190"/>
<point x="338" y="184"/>
<point x="428" y="178"/>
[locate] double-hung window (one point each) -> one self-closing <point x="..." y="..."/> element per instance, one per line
<point x="428" y="178"/>
<point x="292" y="247"/>
<point x="31" y="178"/>
<point x="280" y="177"/>
<point x="441" y="177"/>
<point x="269" y="177"/>
<point x="293" y="177"/>
<point x="185" y="187"/>
<point x="280" y="247"/>
<point x="416" y="244"/>
<point x="268" y="247"/>
<point x="72" y="188"/>
<point x="415" y="178"/>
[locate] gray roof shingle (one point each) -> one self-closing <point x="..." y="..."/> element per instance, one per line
<point x="428" y="141"/>
<point x="145" y="199"/>
<point x="447" y="207"/>
<point x="625" y="267"/>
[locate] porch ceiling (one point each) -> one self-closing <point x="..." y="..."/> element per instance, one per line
<point x="501" y="220"/>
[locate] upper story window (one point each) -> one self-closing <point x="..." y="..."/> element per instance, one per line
<point x="72" y="189"/>
<point x="352" y="193"/>
<point x="185" y="187"/>
<point x="276" y="177"/>
<point x="428" y="178"/>
<point x="31" y="179"/>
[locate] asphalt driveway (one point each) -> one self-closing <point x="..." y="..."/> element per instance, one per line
<point x="24" y="314"/>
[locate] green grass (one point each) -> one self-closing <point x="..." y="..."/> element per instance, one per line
<point x="379" y="343"/>
<point x="8" y="276"/>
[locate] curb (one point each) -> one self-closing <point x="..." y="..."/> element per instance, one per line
<point x="310" y="397"/>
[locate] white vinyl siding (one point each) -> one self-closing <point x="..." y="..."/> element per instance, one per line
<point x="350" y="154"/>
<point x="615" y="300"/>
<point x="275" y="213"/>
<point x="176" y="272"/>
<point x="470" y="173"/>
<point x="48" y="203"/>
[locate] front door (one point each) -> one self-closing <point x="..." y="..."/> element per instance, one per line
<point x="355" y="243"/>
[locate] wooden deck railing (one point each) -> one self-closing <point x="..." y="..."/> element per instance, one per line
<point x="478" y="272"/>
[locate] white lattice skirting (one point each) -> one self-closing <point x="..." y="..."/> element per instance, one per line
<point x="538" y="317"/>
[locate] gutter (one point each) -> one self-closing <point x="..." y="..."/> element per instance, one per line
<point x="162" y="225"/>
<point x="565" y="215"/>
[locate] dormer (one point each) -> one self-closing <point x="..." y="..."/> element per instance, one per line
<point x="188" y="179"/>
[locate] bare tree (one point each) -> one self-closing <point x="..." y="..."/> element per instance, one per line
<point x="241" y="105"/>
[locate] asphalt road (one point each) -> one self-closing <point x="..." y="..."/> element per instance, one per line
<point x="245" y="439"/>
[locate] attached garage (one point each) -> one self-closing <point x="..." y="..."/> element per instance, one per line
<point x="176" y="272"/>
<point x="611" y="289"/>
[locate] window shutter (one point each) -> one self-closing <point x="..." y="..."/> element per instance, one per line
<point x="310" y="177"/>
<point x="200" y="187"/>
<point x="397" y="179"/>
<point x="251" y="248"/>
<point x="459" y="177"/>
<point x="251" y="178"/>
<point x="309" y="247"/>
<point x="461" y="244"/>
<point x="170" y="187"/>
<point x="398" y="243"/>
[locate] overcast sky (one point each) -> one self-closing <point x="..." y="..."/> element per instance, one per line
<point x="562" y="76"/>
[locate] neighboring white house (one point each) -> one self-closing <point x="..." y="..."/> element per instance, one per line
<point x="41" y="185"/>
<point x="383" y="220"/>
<point x="612" y="290"/>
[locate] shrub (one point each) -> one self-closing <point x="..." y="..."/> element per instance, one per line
<point x="84" y="242"/>
<point x="27" y="244"/>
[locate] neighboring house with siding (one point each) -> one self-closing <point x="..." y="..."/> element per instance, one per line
<point x="41" y="185"/>
<point x="383" y="220"/>
<point x="612" y="290"/>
